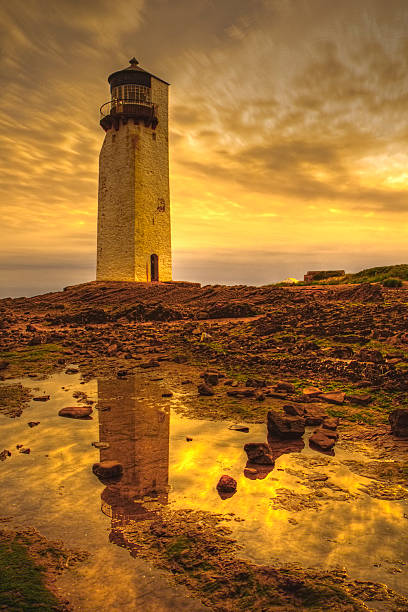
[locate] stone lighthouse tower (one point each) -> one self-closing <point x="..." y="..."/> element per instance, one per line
<point x="134" y="240"/>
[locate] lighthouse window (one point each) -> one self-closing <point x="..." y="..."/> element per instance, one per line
<point x="117" y="93"/>
<point x="138" y="93"/>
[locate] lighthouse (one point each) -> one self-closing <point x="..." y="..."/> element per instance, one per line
<point x="134" y="236"/>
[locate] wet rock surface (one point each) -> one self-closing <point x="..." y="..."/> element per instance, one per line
<point x="323" y="370"/>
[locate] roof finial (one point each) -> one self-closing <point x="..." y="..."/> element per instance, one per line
<point x="133" y="61"/>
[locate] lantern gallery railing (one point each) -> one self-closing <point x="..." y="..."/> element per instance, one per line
<point x="126" y="106"/>
<point x="120" y="110"/>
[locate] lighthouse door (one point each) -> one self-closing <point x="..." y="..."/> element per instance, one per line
<point x="154" y="267"/>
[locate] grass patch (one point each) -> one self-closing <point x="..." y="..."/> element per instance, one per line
<point x="22" y="582"/>
<point x="39" y="359"/>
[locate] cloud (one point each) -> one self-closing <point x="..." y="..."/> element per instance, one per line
<point x="276" y="106"/>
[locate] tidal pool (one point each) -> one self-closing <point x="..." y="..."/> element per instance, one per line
<point x="310" y="509"/>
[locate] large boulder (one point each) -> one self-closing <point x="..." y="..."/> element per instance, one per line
<point x="399" y="422"/>
<point x="285" y="427"/>
<point x="259" y="452"/>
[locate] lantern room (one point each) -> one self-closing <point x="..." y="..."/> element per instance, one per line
<point x="131" y="98"/>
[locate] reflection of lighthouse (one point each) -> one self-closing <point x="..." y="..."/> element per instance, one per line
<point x="138" y="437"/>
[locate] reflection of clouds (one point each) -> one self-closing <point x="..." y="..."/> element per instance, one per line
<point x="327" y="537"/>
<point x="274" y="104"/>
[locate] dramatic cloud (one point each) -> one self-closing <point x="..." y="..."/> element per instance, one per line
<point x="288" y="133"/>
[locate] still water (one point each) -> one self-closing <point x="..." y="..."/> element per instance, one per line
<point x="309" y="510"/>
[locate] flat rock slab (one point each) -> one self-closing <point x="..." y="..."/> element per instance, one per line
<point x="311" y="392"/>
<point x="243" y="428"/>
<point x="241" y="392"/>
<point x="333" y="397"/>
<point x="75" y="412"/>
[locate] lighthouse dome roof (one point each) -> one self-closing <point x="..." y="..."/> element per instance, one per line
<point x="132" y="74"/>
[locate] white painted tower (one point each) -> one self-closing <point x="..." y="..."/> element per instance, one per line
<point x="134" y="237"/>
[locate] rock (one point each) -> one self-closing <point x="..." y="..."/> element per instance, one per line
<point x="152" y="363"/>
<point x="189" y="439"/>
<point x="360" y="399"/>
<point x="399" y="422"/>
<point x="298" y="411"/>
<point x="211" y="378"/>
<point x="341" y="352"/>
<point x="25" y="451"/>
<point x="186" y="382"/>
<point x="3" y="364"/>
<point x="41" y="398"/>
<point x="320" y="440"/>
<point x="329" y="433"/>
<point x="4" y="454"/>
<point x="231" y="310"/>
<point x="258" y="383"/>
<point x="331" y="423"/>
<point x="167" y="394"/>
<point x="314" y="415"/>
<point x="259" y="453"/>
<point x="108" y="470"/>
<point x="333" y="397"/>
<point x="75" y="412"/>
<point x="205" y="390"/>
<point x="285" y="386"/>
<point x="241" y="392"/>
<point x="370" y="355"/>
<point x="260" y="397"/>
<point x="112" y="350"/>
<point x="311" y="392"/>
<point x="122" y="373"/>
<point x="227" y="484"/>
<point x="257" y="473"/>
<point x="33" y="423"/>
<point x="242" y="428"/>
<point x="101" y="445"/>
<point x="285" y="427"/>
<point x="35" y="341"/>
<point x="71" y="371"/>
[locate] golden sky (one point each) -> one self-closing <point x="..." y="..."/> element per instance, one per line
<point x="288" y="122"/>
